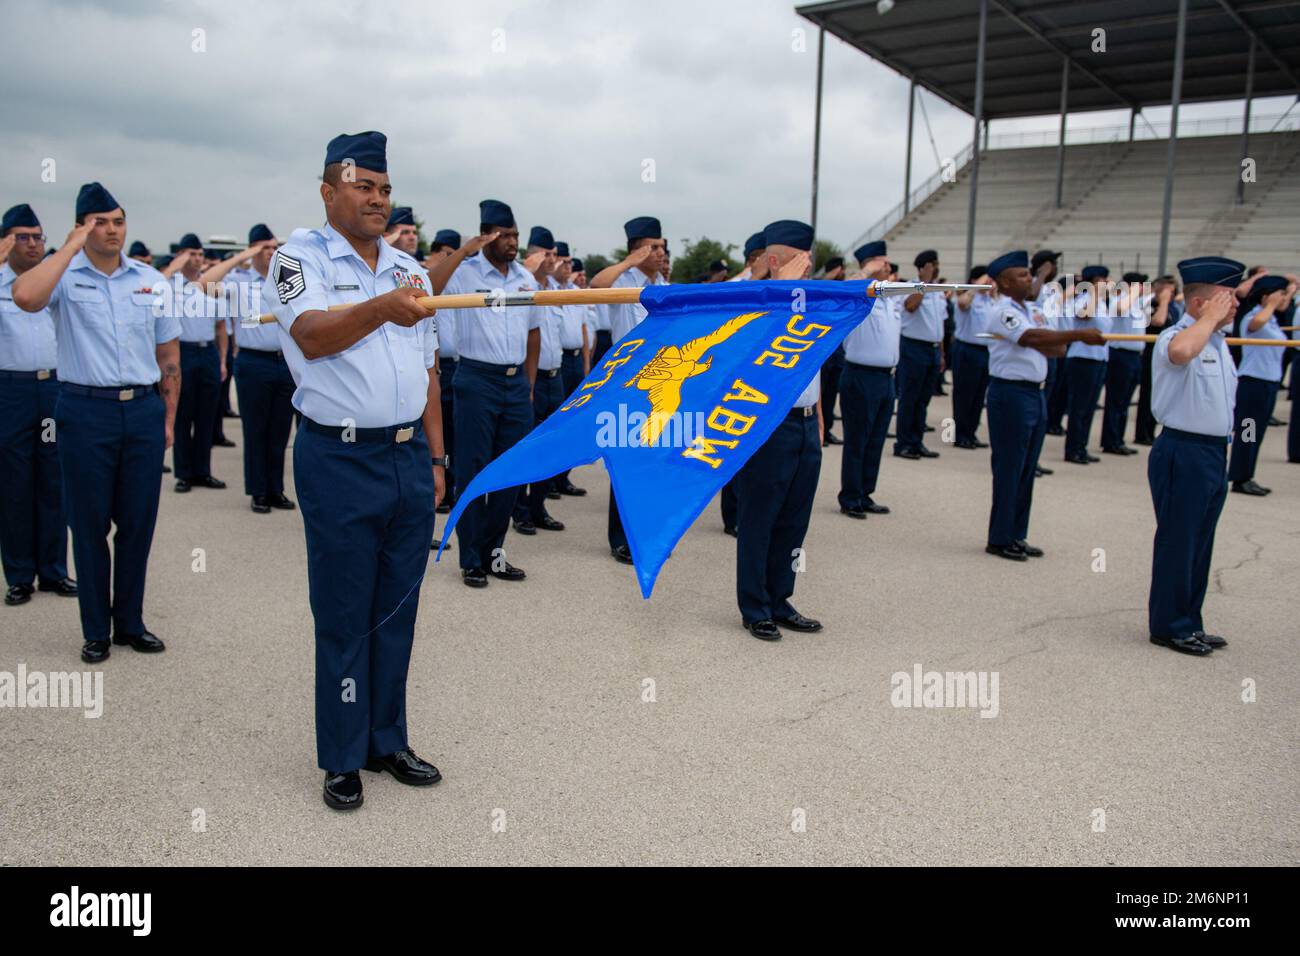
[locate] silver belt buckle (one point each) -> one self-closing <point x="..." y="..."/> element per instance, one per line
<point x="126" y="394"/>
<point x="404" y="434"/>
<point x="809" y="410"/>
<point x="512" y="369"/>
<point x="42" y="374"/>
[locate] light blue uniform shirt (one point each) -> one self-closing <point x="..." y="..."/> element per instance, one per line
<point x="378" y="381"/>
<point x="496" y="335"/>
<point x="970" y="321"/>
<point x="1049" y="301"/>
<point x="812" y="391"/>
<point x="1101" y="322"/>
<point x="445" y="324"/>
<point x="108" y="327"/>
<point x="1262" y="361"/>
<point x="1132" y="323"/>
<point x="926" y="323"/>
<point x="1197" y="397"/>
<point x="199" y="313"/>
<point x="552" y="321"/>
<point x="875" y="341"/>
<point x="1010" y="320"/>
<point x="622" y="319"/>
<point x="574" y="318"/>
<point x="243" y="289"/>
<point x="27" y="342"/>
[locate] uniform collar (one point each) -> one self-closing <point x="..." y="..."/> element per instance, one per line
<point x="82" y="261"/>
<point x="339" y="248"/>
<point x="486" y="268"/>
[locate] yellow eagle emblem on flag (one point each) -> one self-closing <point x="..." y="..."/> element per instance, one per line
<point x="662" y="377"/>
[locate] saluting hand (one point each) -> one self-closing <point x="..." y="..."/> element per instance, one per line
<point x="797" y="268"/>
<point x="6" y="246"/>
<point x="401" y="306"/>
<point x="536" y="263"/>
<point x="639" y="256"/>
<point x="1221" y="306"/>
<point x="475" y="244"/>
<point x="77" y="238"/>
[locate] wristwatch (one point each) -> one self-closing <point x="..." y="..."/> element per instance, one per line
<point x="445" y="461"/>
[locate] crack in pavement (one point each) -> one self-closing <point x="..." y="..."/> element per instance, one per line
<point x="1216" y="580"/>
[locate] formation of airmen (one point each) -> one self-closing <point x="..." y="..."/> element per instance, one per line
<point x="106" y="361"/>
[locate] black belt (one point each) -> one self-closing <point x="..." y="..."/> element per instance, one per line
<point x="799" y="414"/>
<point x="576" y="353"/>
<point x="389" y="434"/>
<point x="194" y="345"/>
<point x="883" y="370"/>
<point x="548" y="372"/>
<point x="269" y="353"/>
<point x="40" y="375"/>
<point x="1194" y="436"/>
<point x="490" y="367"/>
<point x="123" y="394"/>
<point x="444" y="359"/>
<point x="933" y="345"/>
<point x="1017" y="382"/>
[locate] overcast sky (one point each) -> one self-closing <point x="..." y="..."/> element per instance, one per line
<point x="553" y="107"/>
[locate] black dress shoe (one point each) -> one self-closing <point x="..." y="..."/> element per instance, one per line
<point x="1144" y="441"/>
<point x="797" y="622"/>
<point x="1212" y="641"/>
<point x="65" y="588"/>
<point x="343" y="790"/>
<point x="167" y="469"/>
<point x="525" y="527"/>
<point x="1092" y="459"/>
<point x="1056" y="430"/>
<point x="18" y="594"/>
<point x="509" y="572"/>
<point x="547" y="523"/>
<point x="223" y="442"/>
<point x="406" y="768"/>
<point x="207" y="481"/>
<point x="858" y="513"/>
<point x="1008" y="551"/>
<point x="622" y="554"/>
<point x="764" y="630"/>
<point x="729" y="529"/>
<point x="1028" y="549"/>
<point x="1039" y="471"/>
<point x="874" y="509"/>
<point x="93" y="652"/>
<point x="926" y="453"/>
<point x="929" y="428"/>
<point x="281" y="501"/>
<point x="437" y="541"/>
<point x="1184" y="645"/>
<point x="1251" y="487"/>
<point x="1079" y="459"/>
<point x="909" y="453"/>
<point x="572" y="490"/>
<point x="552" y="496"/>
<point x="443" y="508"/>
<point x="474" y="577"/>
<point x="968" y="445"/>
<point x="260" y="505"/>
<point x="182" y="486"/>
<point x="832" y="439"/>
<point x="981" y="444"/>
<point x="145" y="643"/>
<point x="1123" y="450"/>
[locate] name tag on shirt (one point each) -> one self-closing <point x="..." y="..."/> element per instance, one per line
<point x="346" y="288"/>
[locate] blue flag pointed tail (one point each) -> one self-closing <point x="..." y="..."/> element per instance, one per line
<point x="681" y="402"/>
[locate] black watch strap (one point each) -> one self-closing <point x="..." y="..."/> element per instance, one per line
<point x="445" y="461"/>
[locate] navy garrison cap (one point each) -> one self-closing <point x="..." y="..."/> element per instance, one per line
<point x="189" y="241"/>
<point x="928" y="255"/>
<point x="447" y="237"/>
<point x="259" y="233"/>
<point x="541" y="236"/>
<point x="870" y="250"/>
<point x="1135" y="277"/>
<point x="95" y="198"/>
<point x="368" y="150"/>
<point x="1019" y="259"/>
<point x="20" y="216"/>
<point x="834" y="262"/>
<point x="138" y="248"/>
<point x="562" y="249"/>
<point x="754" y="243"/>
<point x="1263" y="286"/>
<point x="1211" y="270"/>
<point x="577" y="264"/>
<point x="1094" y="272"/>
<point x="1043" y="255"/>
<point x="492" y="212"/>
<point x="976" y="272"/>
<point x="401" y="216"/>
<point x="717" y="265"/>
<point x="643" y="227"/>
<point x="788" y="232"/>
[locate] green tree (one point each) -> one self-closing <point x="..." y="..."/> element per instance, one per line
<point x="694" y="261"/>
<point x="594" y="262"/>
<point x="824" y="249"/>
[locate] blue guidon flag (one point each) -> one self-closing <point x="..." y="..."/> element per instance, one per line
<point x="681" y="402"/>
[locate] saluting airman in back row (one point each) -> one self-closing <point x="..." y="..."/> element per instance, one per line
<point x="445" y="243"/>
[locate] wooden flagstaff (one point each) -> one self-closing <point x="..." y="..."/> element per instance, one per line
<point x="494" y="300"/>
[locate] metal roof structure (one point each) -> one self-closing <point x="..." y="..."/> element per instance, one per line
<point x="935" y="42"/>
